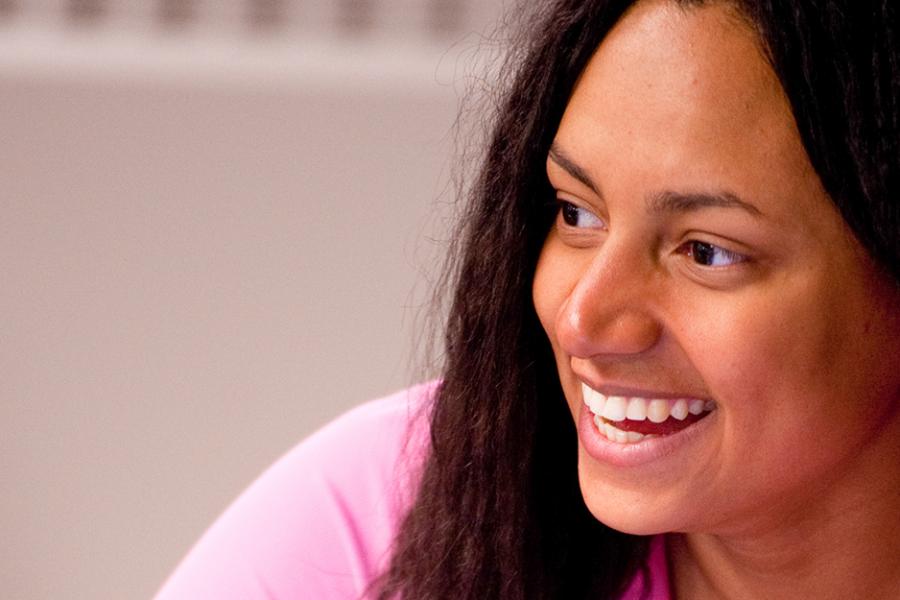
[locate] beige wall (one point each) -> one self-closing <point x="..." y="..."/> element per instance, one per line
<point x="201" y="261"/>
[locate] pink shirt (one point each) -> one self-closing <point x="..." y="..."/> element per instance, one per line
<point x="320" y="521"/>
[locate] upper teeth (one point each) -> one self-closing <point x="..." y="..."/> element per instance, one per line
<point x="619" y="408"/>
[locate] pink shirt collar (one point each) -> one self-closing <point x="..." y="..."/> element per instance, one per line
<point x="652" y="584"/>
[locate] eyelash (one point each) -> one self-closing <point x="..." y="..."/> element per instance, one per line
<point x="569" y="210"/>
<point x="704" y="254"/>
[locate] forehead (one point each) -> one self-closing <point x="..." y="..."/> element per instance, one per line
<point x="684" y="97"/>
<point x="694" y="49"/>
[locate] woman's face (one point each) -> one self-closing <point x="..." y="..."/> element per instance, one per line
<point x="701" y="292"/>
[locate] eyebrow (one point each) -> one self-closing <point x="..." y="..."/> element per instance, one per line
<point x="557" y="155"/>
<point x="663" y="202"/>
<point x="678" y="202"/>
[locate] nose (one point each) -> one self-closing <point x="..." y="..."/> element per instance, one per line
<point x="608" y="310"/>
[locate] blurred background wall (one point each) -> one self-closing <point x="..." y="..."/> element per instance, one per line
<point x="214" y="233"/>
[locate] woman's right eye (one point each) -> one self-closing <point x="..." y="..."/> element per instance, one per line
<point x="576" y="216"/>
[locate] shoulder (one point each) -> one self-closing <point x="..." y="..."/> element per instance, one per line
<point x="320" y="521"/>
<point x="384" y="426"/>
<point x="368" y="457"/>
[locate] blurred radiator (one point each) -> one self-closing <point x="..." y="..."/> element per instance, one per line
<point x="404" y="18"/>
<point x="321" y="42"/>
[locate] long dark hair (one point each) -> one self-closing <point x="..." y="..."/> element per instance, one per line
<point x="499" y="513"/>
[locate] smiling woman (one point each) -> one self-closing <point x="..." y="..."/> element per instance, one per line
<point x="695" y="329"/>
<point x="671" y="360"/>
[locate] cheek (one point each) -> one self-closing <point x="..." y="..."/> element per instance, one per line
<point x="759" y="352"/>
<point x="792" y="377"/>
<point x="550" y="289"/>
<point x="553" y="281"/>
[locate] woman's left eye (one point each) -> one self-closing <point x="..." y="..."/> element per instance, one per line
<point x="576" y="216"/>
<point x="710" y="255"/>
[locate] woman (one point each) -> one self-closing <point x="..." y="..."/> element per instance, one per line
<point x="672" y="365"/>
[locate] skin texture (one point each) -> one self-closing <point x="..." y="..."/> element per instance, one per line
<point x="791" y="490"/>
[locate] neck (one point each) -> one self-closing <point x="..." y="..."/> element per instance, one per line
<point x="842" y="540"/>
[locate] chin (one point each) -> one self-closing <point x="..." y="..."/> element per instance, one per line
<point x="631" y="513"/>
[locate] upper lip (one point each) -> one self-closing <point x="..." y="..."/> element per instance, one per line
<point x="615" y="389"/>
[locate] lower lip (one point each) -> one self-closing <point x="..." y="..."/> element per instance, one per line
<point x="646" y="451"/>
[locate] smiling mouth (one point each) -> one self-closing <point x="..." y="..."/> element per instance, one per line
<point x="628" y="420"/>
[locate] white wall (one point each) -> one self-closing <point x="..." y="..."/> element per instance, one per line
<point x="209" y="245"/>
